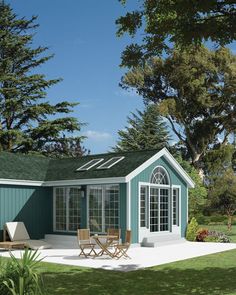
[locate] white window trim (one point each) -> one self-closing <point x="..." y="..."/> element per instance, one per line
<point x="91" y="166"/>
<point x="66" y="188"/>
<point x="108" y="167"/>
<point x="146" y="209"/>
<point x="158" y="186"/>
<point x="180" y="205"/>
<point x="168" y="176"/>
<point x="102" y="186"/>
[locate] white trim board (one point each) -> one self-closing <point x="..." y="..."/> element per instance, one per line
<point x="109" y="180"/>
<point x="21" y="182"/>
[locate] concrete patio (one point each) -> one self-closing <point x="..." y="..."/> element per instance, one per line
<point x="140" y="257"/>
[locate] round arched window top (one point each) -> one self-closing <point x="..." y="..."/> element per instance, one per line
<point x="160" y="176"/>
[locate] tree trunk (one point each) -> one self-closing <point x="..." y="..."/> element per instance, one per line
<point x="229" y="222"/>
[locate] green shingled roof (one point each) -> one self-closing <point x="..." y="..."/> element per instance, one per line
<point x="37" y="168"/>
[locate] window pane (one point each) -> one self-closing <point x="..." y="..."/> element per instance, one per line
<point x="74" y="209"/>
<point x="143" y="205"/>
<point x="175" y="197"/>
<point x="154" y="212"/>
<point x="159" y="176"/>
<point x="60" y="209"/>
<point x="111" y="205"/>
<point x="95" y="209"/>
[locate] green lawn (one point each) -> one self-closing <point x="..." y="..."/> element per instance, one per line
<point x="207" y="275"/>
<point x="212" y="274"/>
<point x="223" y="228"/>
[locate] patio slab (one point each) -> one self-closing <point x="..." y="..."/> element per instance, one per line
<point x="140" y="257"/>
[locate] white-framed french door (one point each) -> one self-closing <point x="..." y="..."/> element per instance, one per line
<point x="102" y="207"/>
<point x="159" y="209"/>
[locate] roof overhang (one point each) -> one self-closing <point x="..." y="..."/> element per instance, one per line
<point x="91" y="181"/>
<point x="21" y="182"/>
<point x="167" y="155"/>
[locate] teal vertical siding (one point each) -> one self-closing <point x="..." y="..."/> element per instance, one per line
<point x="123" y="206"/>
<point x="144" y="176"/>
<point x="32" y="205"/>
<point x="84" y="221"/>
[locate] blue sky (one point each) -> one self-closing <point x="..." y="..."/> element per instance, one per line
<point x="87" y="57"/>
<point x="81" y="34"/>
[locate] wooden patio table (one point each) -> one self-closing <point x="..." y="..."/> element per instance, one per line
<point x="7" y="245"/>
<point x="104" y="242"/>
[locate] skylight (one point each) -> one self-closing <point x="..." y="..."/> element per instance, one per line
<point x="111" y="162"/>
<point x="89" y="165"/>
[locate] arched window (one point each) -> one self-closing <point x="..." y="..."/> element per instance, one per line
<point x="159" y="176"/>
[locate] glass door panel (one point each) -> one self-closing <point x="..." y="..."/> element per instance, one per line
<point x="74" y="205"/>
<point x="154" y="209"/>
<point x="164" y="209"/>
<point x="60" y="209"/>
<point x="95" y="209"/>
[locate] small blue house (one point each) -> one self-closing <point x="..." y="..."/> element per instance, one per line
<point x="145" y="191"/>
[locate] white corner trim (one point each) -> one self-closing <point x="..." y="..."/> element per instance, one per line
<point x="165" y="153"/>
<point x="21" y="182"/>
<point x="128" y="206"/>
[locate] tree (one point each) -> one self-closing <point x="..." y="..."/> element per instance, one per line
<point x="197" y="196"/>
<point x="217" y="161"/>
<point x="164" y="23"/>
<point x="223" y="194"/>
<point x="145" y="130"/>
<point x="27" y="121"/>
<point x="195" y="92"/>
<point x="68" y="147"/>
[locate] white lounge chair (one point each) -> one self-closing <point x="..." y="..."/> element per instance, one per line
<point x="17" y="232"/>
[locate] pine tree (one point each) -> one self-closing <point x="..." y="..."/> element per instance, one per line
<point x="145" y="130"/>
<point x="27" y="121"/>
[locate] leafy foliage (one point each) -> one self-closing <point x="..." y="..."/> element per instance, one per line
<point x="202" y="233"/>
<point x="194" y="91"/>
<point x="192" y="230"/>
<point x="218" y="236"/>
<point x="218" y="160"/>
<point x="20" y="276"/>
<point x="197" y="197"/>
<point x="165" y="23"/>
<point x="223" y="194"/>
<point x="27" y="121"/>
<point x="145" y="130"/>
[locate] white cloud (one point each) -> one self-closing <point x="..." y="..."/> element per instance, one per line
<point x="97" y="135"/>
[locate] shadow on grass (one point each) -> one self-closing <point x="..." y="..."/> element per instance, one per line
<point x="206" y="281"/>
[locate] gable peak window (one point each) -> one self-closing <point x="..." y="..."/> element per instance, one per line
<point x="160" y="176"/>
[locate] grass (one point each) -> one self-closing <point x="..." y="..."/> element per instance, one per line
<point x="207" y="275"/>
<point x="223" y="228"/>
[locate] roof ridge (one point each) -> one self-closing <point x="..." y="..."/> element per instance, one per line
<point x="109" y="153"/>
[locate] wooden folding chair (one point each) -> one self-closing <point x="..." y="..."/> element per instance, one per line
<point x="121" y="249"/>
<point x="84" y="241"/>
<point x="114" y="232"/>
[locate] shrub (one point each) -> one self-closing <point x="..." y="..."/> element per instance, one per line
<point x="211" y="239"/>
<point x="202" y="233"/>
<point x="221" y="237"/>
<point x="192" y="230"/>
